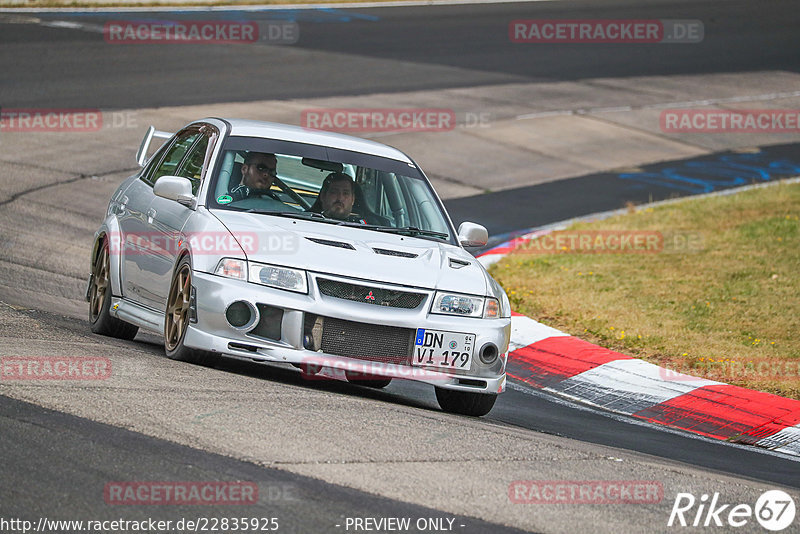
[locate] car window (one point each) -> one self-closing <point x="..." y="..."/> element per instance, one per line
<point x="383" y="200"/>
<point x="174" y="155"/>
<point x="152" y="164"/>
<point x="192" y="166"/>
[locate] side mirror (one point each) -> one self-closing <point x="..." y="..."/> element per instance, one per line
<point x="175" y="188"/>
<point x="472" y="235"/>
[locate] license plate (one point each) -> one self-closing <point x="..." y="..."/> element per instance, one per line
<point x="436" y="348"/>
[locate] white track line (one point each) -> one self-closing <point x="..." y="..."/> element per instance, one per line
<point x="557" y="398"/>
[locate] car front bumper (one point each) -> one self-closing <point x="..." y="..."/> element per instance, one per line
<point x="282" y="332"/>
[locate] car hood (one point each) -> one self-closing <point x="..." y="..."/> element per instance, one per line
<point x="356" y="252"/>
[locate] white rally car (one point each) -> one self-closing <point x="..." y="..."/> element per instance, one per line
<point x="191" y="248"/>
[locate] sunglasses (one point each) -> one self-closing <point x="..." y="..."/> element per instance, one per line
<point x="269" y="170"/>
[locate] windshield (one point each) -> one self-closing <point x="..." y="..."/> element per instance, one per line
<point x="328" y="186"/>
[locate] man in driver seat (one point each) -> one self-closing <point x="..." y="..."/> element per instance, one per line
<point x="259" y="171"/>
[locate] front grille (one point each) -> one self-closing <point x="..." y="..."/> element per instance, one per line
<point x="370" y="295"/>
<point x="365" y="341"/>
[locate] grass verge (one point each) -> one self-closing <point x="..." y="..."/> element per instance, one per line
<point x="708" y="287"/>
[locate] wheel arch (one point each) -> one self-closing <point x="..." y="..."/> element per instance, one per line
<point x="183" y="254"/>
<point x="104" y="234"/>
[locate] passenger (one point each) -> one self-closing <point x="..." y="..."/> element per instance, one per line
<point x="259" y="171"/>
<point x="336" y="198"/>
<point x="339" y="196"/>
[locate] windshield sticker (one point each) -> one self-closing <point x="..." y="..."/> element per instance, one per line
<point x="224" y="199"/>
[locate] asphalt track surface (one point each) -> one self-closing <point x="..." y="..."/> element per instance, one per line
<point x="50" y="67"/>
<point x="543" y="204"/>
<point x="68" y="481"/>
<point x="520" y="406"/>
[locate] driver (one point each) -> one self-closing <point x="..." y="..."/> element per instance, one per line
<point x="259" y="171"/>
<point x="336" y="198"/>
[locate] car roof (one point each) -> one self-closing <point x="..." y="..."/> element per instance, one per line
<point x="274" y="130"/>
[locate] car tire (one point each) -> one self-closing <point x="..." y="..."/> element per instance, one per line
<point x="465" y="402"/>
<point x="370" y="381"/>
<point x="176" y="319"/>
<point x="100" y="300"/>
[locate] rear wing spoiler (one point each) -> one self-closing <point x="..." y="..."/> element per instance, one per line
<point x="141" y="155"/>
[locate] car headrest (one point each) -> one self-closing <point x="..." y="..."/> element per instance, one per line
<point x="236" y="176"/>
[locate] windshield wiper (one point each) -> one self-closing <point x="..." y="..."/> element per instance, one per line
<point x="355" y="224"/>
<point x="311" y="215"/>
<point x="412" y="231"/>
<point x="292" y="214"/>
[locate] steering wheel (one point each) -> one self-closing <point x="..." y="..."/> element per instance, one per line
<point x="291" y="192"/>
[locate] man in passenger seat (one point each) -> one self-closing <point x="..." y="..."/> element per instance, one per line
<point x="336" y="199"/>
<point x="259" y="171"/>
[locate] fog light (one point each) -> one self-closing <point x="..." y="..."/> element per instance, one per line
<point x="488" y="353"/>
<point x="241" y="315"/>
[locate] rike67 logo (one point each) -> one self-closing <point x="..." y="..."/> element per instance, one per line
<point x="774" y="510"/>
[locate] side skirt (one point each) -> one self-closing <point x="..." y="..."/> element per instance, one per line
<point x="134" y="313"/>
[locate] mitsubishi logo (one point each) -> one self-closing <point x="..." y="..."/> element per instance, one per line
<point x="369" y="297"/>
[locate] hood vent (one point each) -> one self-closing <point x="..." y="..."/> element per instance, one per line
<point x="398" y="253"/>
<point x="330" y="243"/>
<point x="458" y="264"/>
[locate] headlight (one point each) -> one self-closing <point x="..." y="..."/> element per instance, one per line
<point x="455" y="304"/>
<point x="279" y="277"/>
<point x="231" y="268"/>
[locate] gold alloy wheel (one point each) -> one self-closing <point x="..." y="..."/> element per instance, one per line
<point x="97" y="297"/>
<point x="177" y="317"/>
